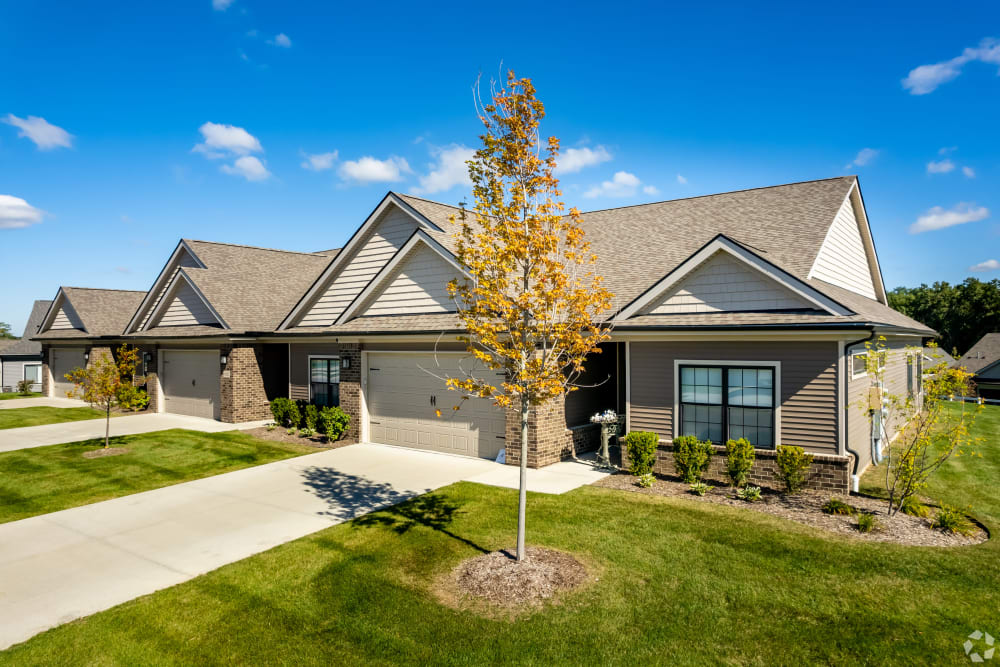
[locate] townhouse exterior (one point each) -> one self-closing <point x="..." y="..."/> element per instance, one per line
<point x="737" y="314"/>
<point x="22" y="359"/>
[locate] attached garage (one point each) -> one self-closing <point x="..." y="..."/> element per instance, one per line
<point x="403" y="397"/>
<point x="63" y="360"/>
<point x="190" y="380"/>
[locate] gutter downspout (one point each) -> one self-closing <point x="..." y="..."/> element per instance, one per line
<point x="855" y="479"/>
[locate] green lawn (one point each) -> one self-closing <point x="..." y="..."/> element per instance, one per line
<point x="48" y="479"/>
<point x="13" y="394"/>
<point x="680" y="582"/>
<point x="18" y="417"/>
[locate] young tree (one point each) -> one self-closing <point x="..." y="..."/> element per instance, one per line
<point x="5" y="332"/>
<point x="931" y="431"/>
<point x="533" y="304"/>
<point x="111" y="382"/>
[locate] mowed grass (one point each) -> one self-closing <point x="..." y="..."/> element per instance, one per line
<point x="677" y="582"/>
<point x="7" y="396"/>
<point x="47" y="479"/>
<point x="36" y="416"/>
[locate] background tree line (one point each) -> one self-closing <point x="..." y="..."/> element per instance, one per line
<point x="962" y="313"/>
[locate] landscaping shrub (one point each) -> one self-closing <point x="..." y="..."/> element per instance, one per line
<point x="24" y="387"/>
<point x="751" y="494"/>
<point x="700" y="488"/>
<point x="739" y="460"/>
<point x="333" y="422"/>
<point x="647" y="480"/>
<point x="912" y="506"/>
<point x="285" y="412"/>
<point x="691" y="457"/>
<point x="834" y="506"/>
<point x="793" y="463"/>
<point x="311" y="417"/>
<point x="952" y="520"/>
<point x="292" y="431"/>
<point x="641" y="446"/>
<point x="305" y="432"/>
<point x="867" y="523"/>
<point x="271" y="427"/>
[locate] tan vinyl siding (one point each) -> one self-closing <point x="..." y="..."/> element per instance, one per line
<point x="723" y="283"/>
<point x="808" y="385"/>
<point x="386" y="237"/>
<point x="185" y="308"/>
<point x="418" y="285"/>
<point x="842" y="259"/>
<point x="66" y="318"/>
<point x="184" y="261"/>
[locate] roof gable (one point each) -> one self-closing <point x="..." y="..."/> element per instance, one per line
<point x="371" y="247"/>
<point x="182" y="257"/>
<point x="25" y="345"/>
<point x="414" y="282"/>
<point x="984" y="353"/>
<point x="183" y="304"/>
<point x="61" y="315"/>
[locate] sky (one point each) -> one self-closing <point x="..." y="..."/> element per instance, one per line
<point x="127" y="126"/>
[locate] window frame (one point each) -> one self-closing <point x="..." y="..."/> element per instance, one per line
<point x="25" y="367"/>
<point x="309" y="381"/>
<point x="725" y="365"/>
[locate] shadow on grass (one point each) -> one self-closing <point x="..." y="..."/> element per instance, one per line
<point x="350" y="496"/>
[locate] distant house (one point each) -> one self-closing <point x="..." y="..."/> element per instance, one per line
<point x="22" y="359"/>
<point x="984" y="361"/>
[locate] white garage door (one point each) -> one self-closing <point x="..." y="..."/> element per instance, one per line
<point x="403" y="398"/>
<point x="191" y="382"/>
<point x="64" y="360"/>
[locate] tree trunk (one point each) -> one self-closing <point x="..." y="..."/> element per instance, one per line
<point x="522" y="496"/>
<point x="107" y="427"/>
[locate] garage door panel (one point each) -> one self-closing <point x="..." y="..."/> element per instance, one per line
<point x="191" y="382"/>
<point x="65" y="360"/>
<point x="401" y="410"/>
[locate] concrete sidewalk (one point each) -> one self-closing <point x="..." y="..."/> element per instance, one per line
<point x="41" y="402"/>
<point x="54" y="434"/>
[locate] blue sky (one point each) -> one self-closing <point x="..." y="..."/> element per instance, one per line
<point x="195" y="119"/>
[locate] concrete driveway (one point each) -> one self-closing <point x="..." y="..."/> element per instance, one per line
<point x="61" y="566"/>
<point x="41" y="402"/>
<point x="54" y="434"/>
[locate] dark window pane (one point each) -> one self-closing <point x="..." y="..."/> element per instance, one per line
<point x="318" y="370"/>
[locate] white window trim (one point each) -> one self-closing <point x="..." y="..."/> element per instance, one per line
<point x="862" y="374"/>
<point x="25" y="367"/>
<point x="309" y="359"/>
<point x="776" y="365"/>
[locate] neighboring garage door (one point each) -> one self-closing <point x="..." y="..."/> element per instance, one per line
<point x="403" y="397"/>
<point x="191" y="382"/>
<point x="64" y="360"/>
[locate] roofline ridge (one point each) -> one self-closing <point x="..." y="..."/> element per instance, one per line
<point x="254" y="247"/>
<point x="99" y="289"/>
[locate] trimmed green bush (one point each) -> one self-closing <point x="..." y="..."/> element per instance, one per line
<point x="333" y="422"/>
<point x="834" y="506"/>
<point x="691" y="457"/>
<point x="641" y="446"/>
<point x="739" y="460"/>
<point x="793" y="463"/>
<point x="952" y="520"/>
<point x="311" y="417"/>
<point x="285" y="412"/>
<point x="751" y="494"/>
<point x="646" y="480"/>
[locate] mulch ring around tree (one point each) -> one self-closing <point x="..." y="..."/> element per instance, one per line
<point x="498" y="582"/>
<point x="280" y="434"/>
<point x="806" y="507"/>
<point x="102" y="452"/>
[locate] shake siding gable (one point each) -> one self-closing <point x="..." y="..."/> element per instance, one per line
<point x="66" y="318"/>
<point x="184" y="308"/>
<point x="185" y="260"/>
<point x="418" y="285"/>
<point x="384" y="240"/>
<point x="723" y="283"/>
<point x="842" y="259"/>
<point x="808" y="385"/>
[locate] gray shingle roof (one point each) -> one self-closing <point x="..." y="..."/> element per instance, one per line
<point x="27" y="346"/>
<point x="104" y="312"/>
<point x="985" y="352"/>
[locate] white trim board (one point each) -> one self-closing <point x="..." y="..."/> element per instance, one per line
<point x="347" y="252"/>
<point x="723" y="243"/>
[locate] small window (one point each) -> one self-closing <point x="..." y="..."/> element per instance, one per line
<point x="858" y="366"/>
<point x="324" y="380"/>
<point x="718" y="403"/>
<point x="33" y="374"/>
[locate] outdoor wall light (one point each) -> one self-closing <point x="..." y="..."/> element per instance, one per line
<point x="147" y="357"/>
<point x="86" y="356"/>
<point x="345" y="362"/>
<point x="223" y="358"/>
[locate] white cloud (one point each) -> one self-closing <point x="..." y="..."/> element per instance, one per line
<point x="969" y="172"/>
<point x="926" y="78"/>
<point x="864" y="156"/>
<point x="947" y="149"/>
<point x="622" y="184"/>
<point x="282" y="40"/>
<point x="988" y="265"/>
<point x="942" y="167"/>
<point x="222" y="139"/>
<point x="248" y="167"/>
<point x="221" y="5"/>
<point x="45" y="135"/>
<point x="16" y="213"/>
<point x="939" y="218"/>
<point x="319" y="161"/>
<point x="372" y="170"/>
<point x="574" y="159"/>
<point x="449" y="170"/>
<point x="650" y="190"/>
<point x="681" y="180"/>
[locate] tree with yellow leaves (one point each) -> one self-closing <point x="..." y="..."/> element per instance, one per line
<point x="532" y="303"/>
<point x="110" y="382"/>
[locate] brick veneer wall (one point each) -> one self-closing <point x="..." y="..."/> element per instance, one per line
<point x="549" y="441"/>
<point x="827" y="473"/>
<point x="350" y="389"/>
<point x="241" y="385"/>
<point x="99" y="352"/>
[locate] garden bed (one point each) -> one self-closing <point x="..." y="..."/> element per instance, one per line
<point x="806" y="508"/>
<point x="280" y="434"/>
